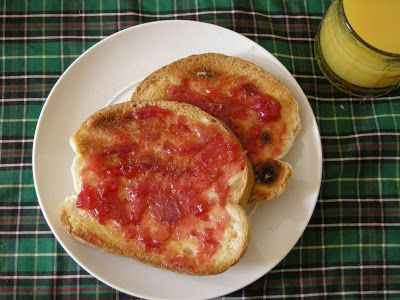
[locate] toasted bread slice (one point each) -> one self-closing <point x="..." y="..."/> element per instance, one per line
<point x="257" y="107"/>
<point x="161" y="182"/>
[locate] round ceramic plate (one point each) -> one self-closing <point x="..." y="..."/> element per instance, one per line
<point x="107" y="73"/>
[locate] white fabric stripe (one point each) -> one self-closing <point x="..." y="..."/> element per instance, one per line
<point x="363" y="158"/>
<point x="309" y="269"/>
<point x="10" y="100"/>
<point x="352" y="179"/>
<point x="359" y="199"/>
<point x="19" y="207"/>
<point x="33" y="254"/>
<point x="44" y="276"/>
<point x="360" y="225"/>
<point x="340" y="204"/>
<point x="330" y="294"/>
<point x="16" y="141"/>
<point x="308" y="76"/>
<point x="6" y="57"/>
<point x="279" y="37"/>
<point x="17" y="120"/>
<point x="17" y="243"/>
<point x="2" y="107"/>
<point x="329" y="137"/>
<point x="336" y="100"/>
<point x="28" y="76"/>
<point x="51" y="37"/>
<point x="386" y="224"/>
<point x="25" y="232"/>
<point x="382" y="209"/>
<point x="232" y="12"/>
<point x="161" y="15"/>
<point x="254" y="21"/>
<point x="55" y="261"/>
<point x="343" y="245"/>
<point x="118" y="16"/>
<point x="16" y="165"/>
<point x="17" y="185"/>
<point x="373" y="116"/>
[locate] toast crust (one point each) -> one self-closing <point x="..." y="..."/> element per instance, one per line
<point x="107" y="236"/>
<point x="155" y="86"/>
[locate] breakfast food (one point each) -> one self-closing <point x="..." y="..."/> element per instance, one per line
<point x="255" y="105"/>
<point x="161" y="182"/>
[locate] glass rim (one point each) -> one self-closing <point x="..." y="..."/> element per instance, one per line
<point x="359" y="38"/>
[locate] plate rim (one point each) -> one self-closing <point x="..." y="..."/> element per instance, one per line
<point x="314" y="127"/>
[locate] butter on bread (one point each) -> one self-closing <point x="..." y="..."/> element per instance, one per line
<point x="183" y="254"/>
<point x="201" y="73"/>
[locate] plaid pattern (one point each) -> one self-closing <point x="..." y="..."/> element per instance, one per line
<point x="351" y="248"/>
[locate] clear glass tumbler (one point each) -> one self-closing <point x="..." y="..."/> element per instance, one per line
<point x="349" y="62"/>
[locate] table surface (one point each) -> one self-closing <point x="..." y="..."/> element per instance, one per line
<point x="351" y="248"/>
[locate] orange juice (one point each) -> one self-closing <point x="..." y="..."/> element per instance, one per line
<point x="359" y="44"/>
<point x="376" y="21"/>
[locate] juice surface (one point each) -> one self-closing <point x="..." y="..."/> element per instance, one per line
<point x="376" y="21"/>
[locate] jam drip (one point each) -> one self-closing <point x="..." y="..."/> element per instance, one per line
<point x="250" y="114"/>
<point x="161" y="179"/>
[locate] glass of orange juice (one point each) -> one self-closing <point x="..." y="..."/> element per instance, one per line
<point x="358" y="46"/>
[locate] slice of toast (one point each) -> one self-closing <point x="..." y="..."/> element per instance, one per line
<point x="163" y="183"/>
<point x="255" y="105"/>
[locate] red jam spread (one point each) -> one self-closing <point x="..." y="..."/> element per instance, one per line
<point x="253" y="116"/>
<point x="163" y="177"/>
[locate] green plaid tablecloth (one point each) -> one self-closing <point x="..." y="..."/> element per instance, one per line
<point x="351" y="248"/>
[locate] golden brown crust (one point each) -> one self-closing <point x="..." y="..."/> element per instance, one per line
<point x="80" y="224"/>
<point x="156" y="84"/>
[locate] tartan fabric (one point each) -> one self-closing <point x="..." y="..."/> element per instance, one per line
<point x="351" y="248"/>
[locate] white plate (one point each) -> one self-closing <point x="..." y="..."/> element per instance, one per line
<point x="107" y="73"/>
